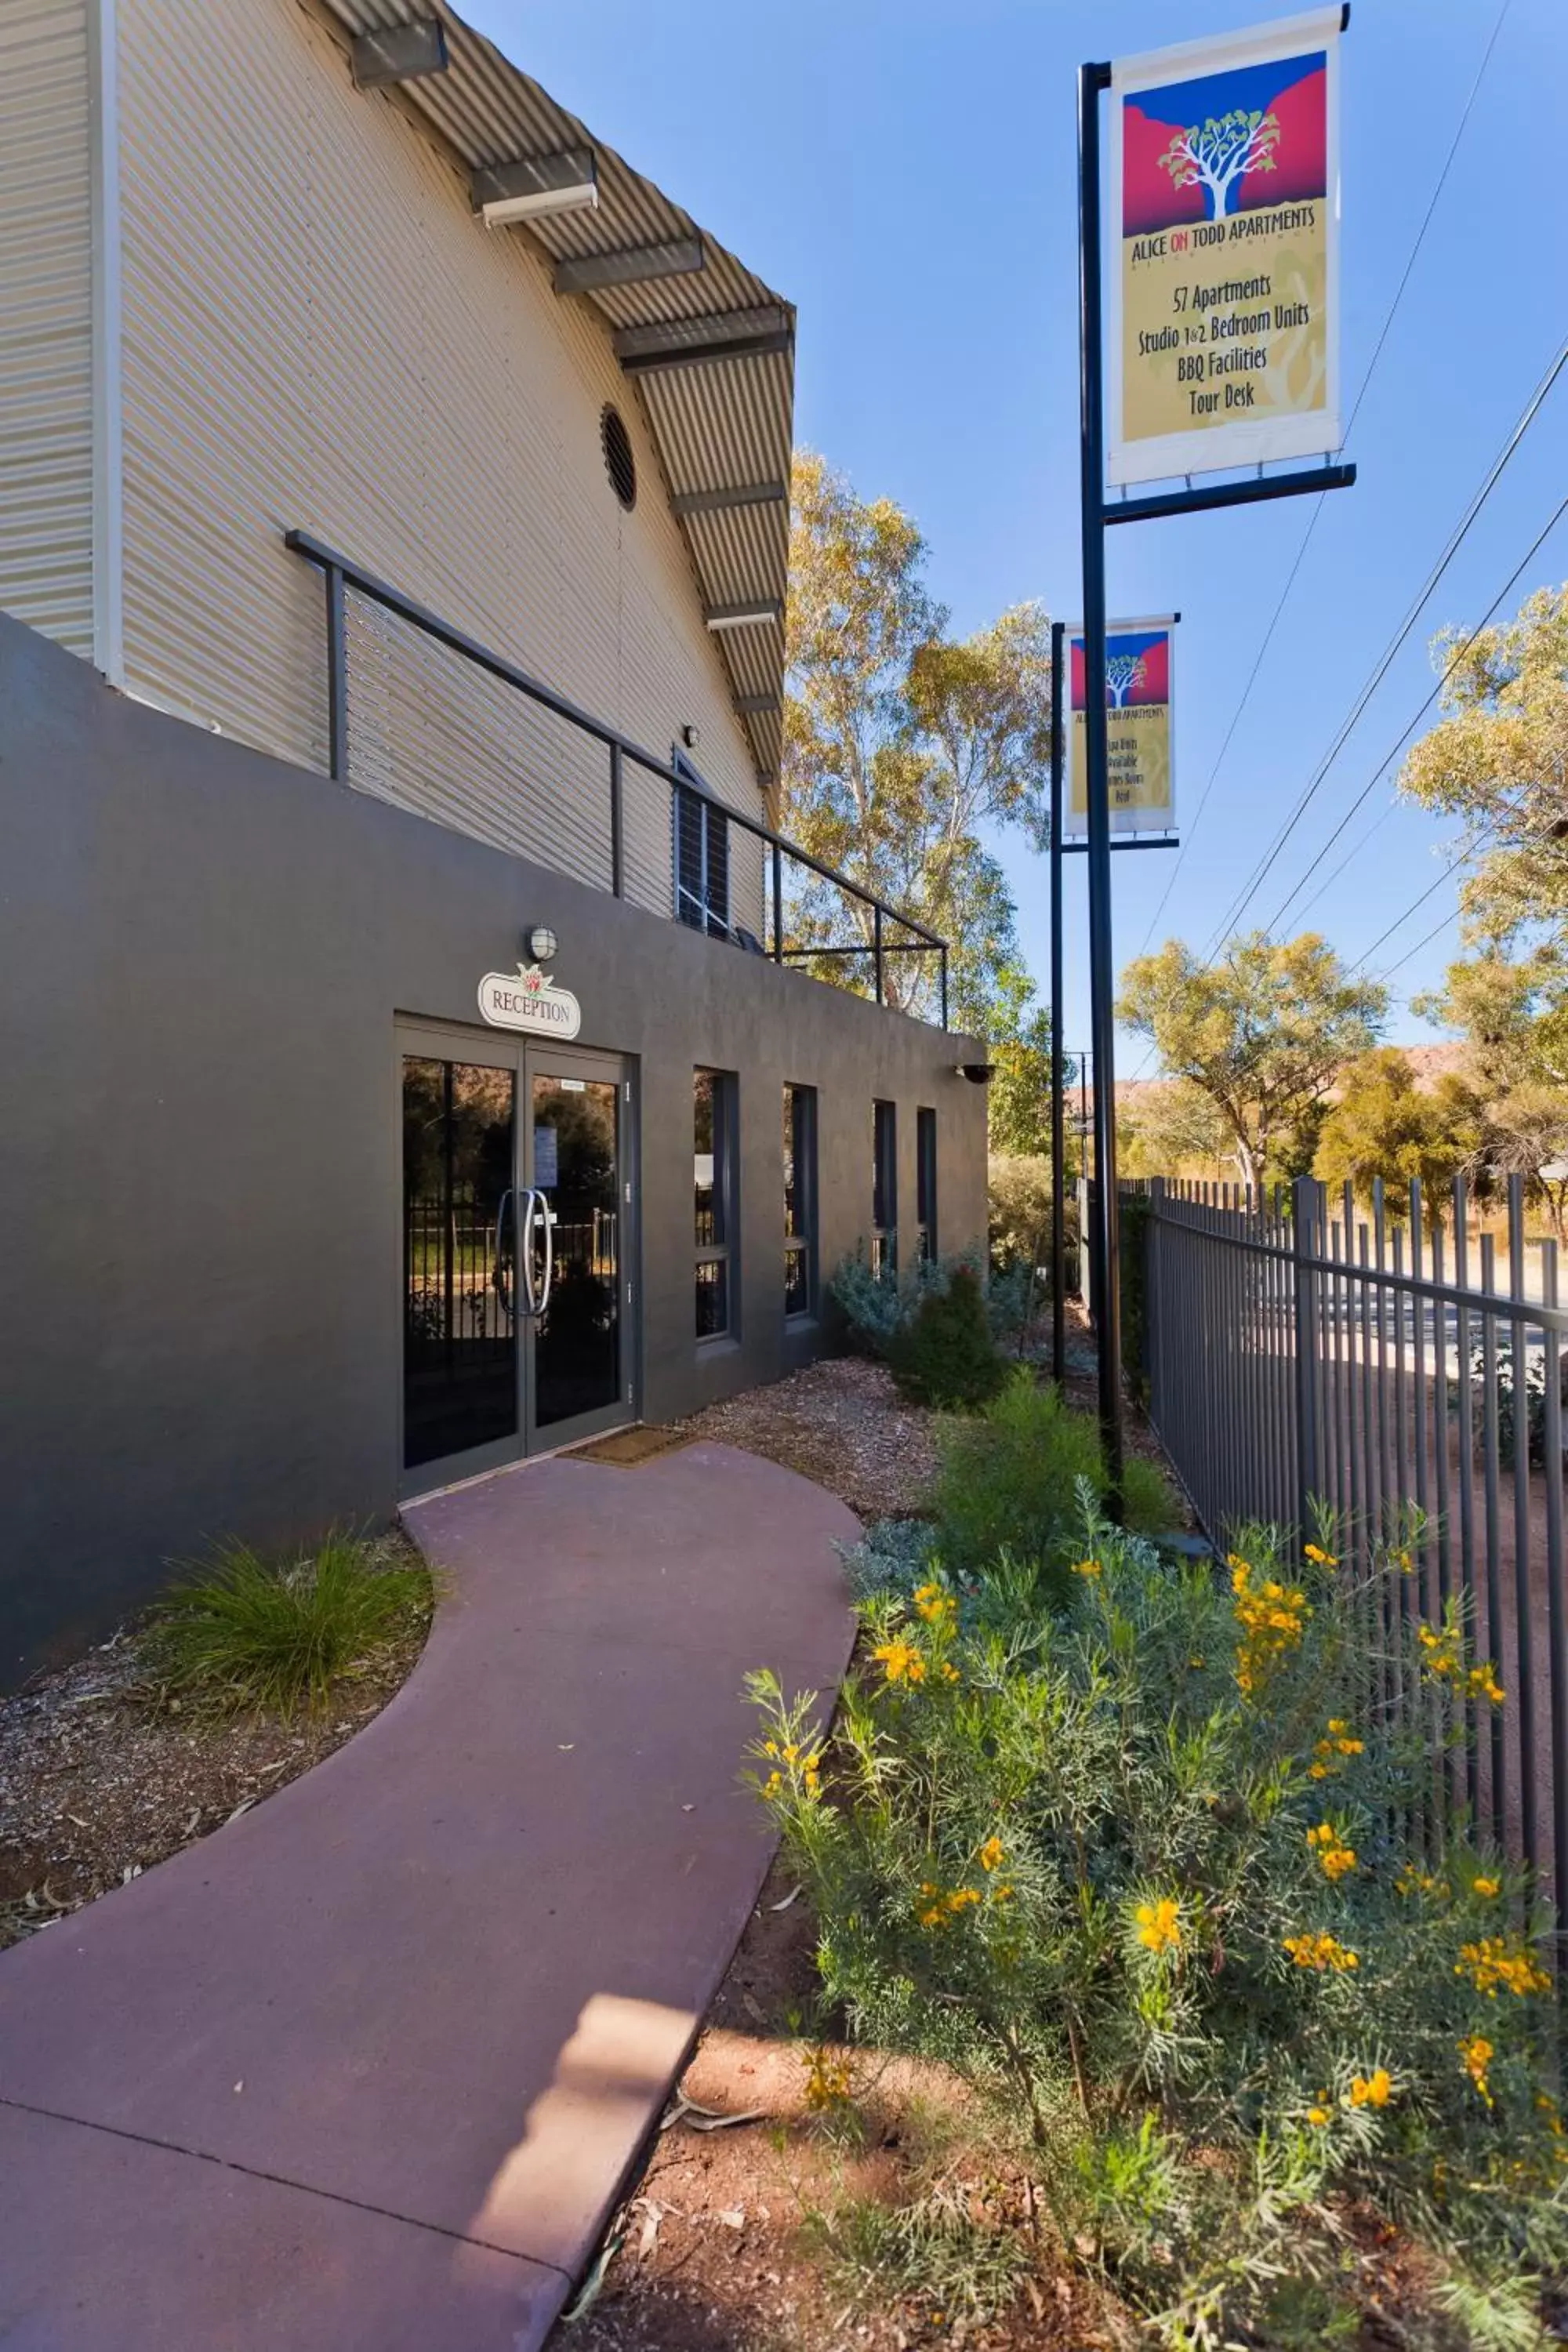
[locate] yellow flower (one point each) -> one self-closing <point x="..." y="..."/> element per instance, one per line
<point x="1371" y="2090"/>
<point x="1331" y="1851"/>
<point x="1477" y="2056"/>
<point x="1401" y="1560"/>
<point x="931" y="1908"/>
<point x="900" y="1662"/>
<point x="961" y="1898"/>
<point x="1320" y="1952"/>
<point x="949" y="1671"/>
<point x="1271" y="1622"/>
<point x="1160" y="1924"/>
<point x="774" y="1784"/>
<point x="1487" y="1886"/>
<point x="1319" y="2116"/>
<point x="1482" y="1683"/>
<point x="1318" y="1557"/>
<point x="991" y="1853"/>
<point x="935" y="1605"/>
<point x="1493" y="1961"/>
<point x="828" y="2079"/>
<point x="1002" y="1892"/>
<point x="1087" y="1568"/>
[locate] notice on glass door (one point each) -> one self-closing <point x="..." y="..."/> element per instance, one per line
<point x="546" y="1161"/>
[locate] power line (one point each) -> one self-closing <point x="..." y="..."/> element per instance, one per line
<point x="1424" y="940"/>
<point x="1386" y="658"/>
<point x="1389" y="317"/>
<point x="1503" y="592"/>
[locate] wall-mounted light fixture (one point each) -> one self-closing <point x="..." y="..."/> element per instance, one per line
<point x="691" y="736"/>
<point x="541" y="942"/>
<point x="534" y="186"/>
<point x="979" y="1073"/>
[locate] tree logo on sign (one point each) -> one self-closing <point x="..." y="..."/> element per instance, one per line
<point x="1122" y="673"/>
<point x="1218" y="154"/>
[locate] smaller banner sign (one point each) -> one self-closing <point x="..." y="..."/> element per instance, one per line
<point x="1223" y="333"/>
<point x="1138" y="687"/>
<point x="529" y="998"/>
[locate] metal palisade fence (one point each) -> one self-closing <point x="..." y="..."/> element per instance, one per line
<point x="1303" y="1353"/>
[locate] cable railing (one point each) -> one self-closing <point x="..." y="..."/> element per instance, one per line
<point x="886" y="935"/>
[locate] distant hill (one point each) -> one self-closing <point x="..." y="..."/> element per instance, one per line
<point x="1429" y="1064"/>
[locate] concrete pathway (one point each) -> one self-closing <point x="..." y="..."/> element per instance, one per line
<point x="364" y="2071"/>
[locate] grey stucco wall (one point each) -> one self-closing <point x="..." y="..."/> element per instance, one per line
<point x="204" y="953"/>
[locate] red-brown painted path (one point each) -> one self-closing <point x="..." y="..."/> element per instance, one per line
<point x="366" y="2068"/>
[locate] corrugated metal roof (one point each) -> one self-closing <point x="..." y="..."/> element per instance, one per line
<point x="721" y="424"/>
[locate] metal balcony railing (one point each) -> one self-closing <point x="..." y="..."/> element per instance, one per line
<point x="886" y="932"/>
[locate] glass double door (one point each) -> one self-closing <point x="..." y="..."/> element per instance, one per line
<point x="517" y="1205"/>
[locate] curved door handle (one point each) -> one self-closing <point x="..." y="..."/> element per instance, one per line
<point x="528" y="1210"/>
<point x="549" y="1253"/>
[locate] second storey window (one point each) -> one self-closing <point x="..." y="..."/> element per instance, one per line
<point x="701" y="857"/>
<point x="713" y="1170"/>
<point x="884" y="1188"/>
<point x="925" y="1181"/>
<point x="800" y="1199"/>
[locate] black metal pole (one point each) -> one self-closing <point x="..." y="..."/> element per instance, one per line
<point x="1092" y="80"/>
<point x="1058" y="1120"/>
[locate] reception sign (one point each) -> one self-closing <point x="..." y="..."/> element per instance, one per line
<point x="1223" y="245"/>
<point x="529" y="998"/>
<point x="1138" y="682"/>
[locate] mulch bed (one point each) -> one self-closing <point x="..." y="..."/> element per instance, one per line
<point x="843" y="1423"/>
<point x="100" y="1776"/>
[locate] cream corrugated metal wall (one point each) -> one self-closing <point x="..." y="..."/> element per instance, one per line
<point x="316" y="332"/>
<point x="46" y="319"/>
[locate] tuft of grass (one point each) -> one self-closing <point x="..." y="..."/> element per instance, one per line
<point x="933" y="2249"/>
<point x="253" y="1633"/>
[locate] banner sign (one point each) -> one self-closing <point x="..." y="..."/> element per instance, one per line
<point x="1138" y="681"/>
<point x="1224" y="312"/>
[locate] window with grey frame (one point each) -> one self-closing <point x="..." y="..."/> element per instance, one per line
<point x="713" y="1170"/>
<point x="800" y="1200"/>
<point x="884" y="1189"/>
<point x="925" y="1181"/>
<point x="701" y="855"/>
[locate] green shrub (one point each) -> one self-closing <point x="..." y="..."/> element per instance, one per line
<point x="944" y="1355"/>
<point x="870" y="1302"/>
<point x="892" y="1556"/>
<point x="250" y="1632"/>
<point x="879" y="1307"/>
<point x="1008" y="1482"/>
<point x="1138" y="1871"/>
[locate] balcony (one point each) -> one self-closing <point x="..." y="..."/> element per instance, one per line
<point x="421" y="713"/>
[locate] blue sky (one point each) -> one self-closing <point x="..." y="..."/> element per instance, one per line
<point x="905" y="172"/>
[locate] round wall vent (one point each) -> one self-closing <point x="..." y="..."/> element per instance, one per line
<point x="619" y="462"/>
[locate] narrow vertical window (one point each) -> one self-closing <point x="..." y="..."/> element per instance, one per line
<point x="925" y="1181"/>
<point x="714" y="1177"/>
<point x="884" y="1188"/>
<point x="800" y="1199"/>
<point x="701" y="855"/>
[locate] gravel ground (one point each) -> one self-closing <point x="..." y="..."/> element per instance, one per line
<point x="841" y="1423"/>
<point x="100" y="1776"/>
